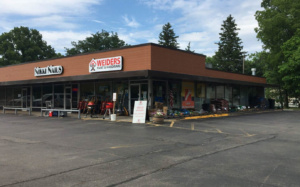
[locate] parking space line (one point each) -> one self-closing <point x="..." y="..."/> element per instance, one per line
<point x="171" y="125"/>
<point x="247" y="134"/>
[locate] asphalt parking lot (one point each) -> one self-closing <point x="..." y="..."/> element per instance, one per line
<point x="252" y="150"/>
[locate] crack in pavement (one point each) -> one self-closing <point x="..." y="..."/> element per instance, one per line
<point x="189" y="159"/>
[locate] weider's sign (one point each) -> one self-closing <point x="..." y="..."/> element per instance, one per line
<point x="106" y="64"/>
<point x="49" y="70"/>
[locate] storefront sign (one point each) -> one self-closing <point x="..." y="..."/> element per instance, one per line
<point x="139" y="112"/>
<point x="187" y="94"/>
<point x="106" y="64"/>
<point x="49" y="70"/>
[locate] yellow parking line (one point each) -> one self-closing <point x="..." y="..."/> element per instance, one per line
<point x="171" y="125"/>
<point x="207" y="116"/>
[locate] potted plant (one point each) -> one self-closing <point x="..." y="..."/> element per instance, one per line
<point x="158" y="117"/>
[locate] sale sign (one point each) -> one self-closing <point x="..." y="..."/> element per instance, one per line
<point x="139" y="112"/>
<point x="106" y="64"/>
<point x="187" y="93"/>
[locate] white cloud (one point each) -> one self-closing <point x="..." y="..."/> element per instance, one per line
<point x="44" y="14"/>
<point x="98" y="21"/>
<point x="206" y="17"/>
<point x="45" y="7"/>
<point x="58" y="40"/>
<point x="130" y="23"/>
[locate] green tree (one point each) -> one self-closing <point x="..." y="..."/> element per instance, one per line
<point x="22" y="44"/>
<point x="277" y="23"/>
<point x="99" y="41"/>
<point x="188" y="48"/>
<point x="167" y="37"/>
<point x="256" y="60"/>
<point x="290" y="69"/>
<point x="229" y="56"/>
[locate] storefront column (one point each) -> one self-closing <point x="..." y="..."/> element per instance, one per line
<point x="150" y="93"/>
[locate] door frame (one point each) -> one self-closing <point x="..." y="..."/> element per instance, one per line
<point x="140" y="90"/>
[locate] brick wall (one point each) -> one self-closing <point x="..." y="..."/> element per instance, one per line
<point x="136" y="58"/>
<point x="142" y="57"/>
<point x="175" y="61"/>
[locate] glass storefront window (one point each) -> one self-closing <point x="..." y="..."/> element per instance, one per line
<point x="244" y="96"/>
<point x="236" y="96"/>
<point x="2" y="96"/>
<point x="74" y="95"/>
<point x="211" y="91"/>
<point x="37" y="96"/>
<point x="121" y="88"/>
<point x="200" y="96"/>
<point x="47" y="94"/>
<point x="228" y="94"/>
<point x="58" y="96"/>
<point x="174" y="95"/>
<point x="17" y="97"/>
<point x="159" y="92"/>
<point x="87" y="91"/>
<point x="220" y="92"/>
<point x="9" y="96"/>
<point x="103" y="91"/>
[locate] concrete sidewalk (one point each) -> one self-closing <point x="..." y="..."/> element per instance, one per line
<point x="128" y="119"/>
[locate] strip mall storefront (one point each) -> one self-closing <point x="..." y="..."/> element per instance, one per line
<point x="173" y="78"/>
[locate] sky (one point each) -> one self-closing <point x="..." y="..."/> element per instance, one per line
<point x="136" y="21"/>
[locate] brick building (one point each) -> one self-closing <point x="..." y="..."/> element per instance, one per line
<point x="175" y="78"/>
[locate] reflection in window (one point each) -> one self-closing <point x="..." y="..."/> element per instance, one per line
<point x="9" y="97"/>
<point x="220" y="92"/>
<point x="159" y="92"/>
<point x="2" y="96"/>
<point x="103" y="91"/>
<point x="244" y="96"/>
<point x="37" y="96"/>
<point x="200" y="96"/>
<point x="174" y="94"/>
<point x="18" y="97"/>
<point x="121" y="88"/>
<point x="228" y="94"/>
<point x="236" y="96"/>
<point x="58" y="96"/>
<point x="47" y="94"/>
<point x="87" y="91"/>
<point x="211" y="91"/>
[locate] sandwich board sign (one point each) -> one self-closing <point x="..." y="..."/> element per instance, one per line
<point x="139" y="112"/>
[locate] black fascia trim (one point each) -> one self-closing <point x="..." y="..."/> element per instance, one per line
<point x="93" y="76"/>
<point x="178" y="76"/>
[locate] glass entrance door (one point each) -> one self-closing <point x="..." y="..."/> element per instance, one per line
<point x="138" y="92"/>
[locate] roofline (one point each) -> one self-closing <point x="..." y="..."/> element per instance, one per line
<point x="134" y="74"/>
<point x="234" y="73"/>
<point x="102" y="51"/>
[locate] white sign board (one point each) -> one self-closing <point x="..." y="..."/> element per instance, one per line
<point x="139" y="112"/>
<point x="106" y="64"/>
<point x="114" y="96"/>
<point x="49" y="70"/>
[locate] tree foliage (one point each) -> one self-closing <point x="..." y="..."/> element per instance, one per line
<point x="277" y="23"/>
<point x="188" y="48"/>
<point x="290" y="69"/>
<point x="99" y="41"/>
<point x="256" y="60"/>
<point x="167" y="37"/>
<point x="229" y="56"/>
<point x="22" y="44"/>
